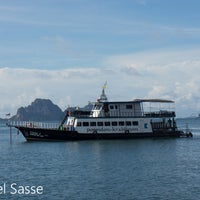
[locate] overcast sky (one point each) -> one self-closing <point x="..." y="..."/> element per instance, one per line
<point x="65" y="50"/>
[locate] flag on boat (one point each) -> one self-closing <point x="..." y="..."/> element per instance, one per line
<point x="105" y="85"/>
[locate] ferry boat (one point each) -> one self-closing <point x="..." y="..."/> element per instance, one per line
<point x="139" y="118"/>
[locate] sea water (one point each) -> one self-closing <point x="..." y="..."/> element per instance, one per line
<point x="140" y="169"/>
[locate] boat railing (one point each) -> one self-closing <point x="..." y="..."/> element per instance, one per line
<point x="160" y="114"/>
<point x="123" y="114"/>
<point x="34" y="124"/>
<point x="141" y="114"/>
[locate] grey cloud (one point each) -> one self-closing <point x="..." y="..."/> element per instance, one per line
<point x="132" y="71"/>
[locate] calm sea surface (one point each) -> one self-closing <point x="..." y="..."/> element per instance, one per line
<point x="143" y="169"/>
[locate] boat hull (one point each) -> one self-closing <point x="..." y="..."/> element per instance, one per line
<point x="41" y="134"/>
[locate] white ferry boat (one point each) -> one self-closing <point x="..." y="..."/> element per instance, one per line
<point x="139" y="118"/>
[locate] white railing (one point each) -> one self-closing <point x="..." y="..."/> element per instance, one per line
<point x="33" y="124"/>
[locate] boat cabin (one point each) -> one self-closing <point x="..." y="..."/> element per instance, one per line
<point x="135" y="115"/>
<point x="116" y="109"/>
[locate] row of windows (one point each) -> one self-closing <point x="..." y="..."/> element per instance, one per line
<point x="128" y="106"/>
<point x="108" y="123"/>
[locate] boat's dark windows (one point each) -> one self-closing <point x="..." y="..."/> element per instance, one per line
<point x="114" y="123"/>
<point x="78" y="123"/>
<point x="128" y="123"/>
<point x="97" y="107"/>
<point x="116" y="107"/>
<point x="129" y="106"/>
<point x="111" y="107"/>
<point x="135" y="123"/>
<point x="92" y="123"/>
<point x="121" y="123"/>
<point x="107" y="123"/>
<point x="99" y="123"/>
<point x="85" y="123"/>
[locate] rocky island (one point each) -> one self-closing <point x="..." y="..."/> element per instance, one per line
<point x="39" y="110"/>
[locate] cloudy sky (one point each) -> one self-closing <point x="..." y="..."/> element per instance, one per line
<point x="65" y="50"/>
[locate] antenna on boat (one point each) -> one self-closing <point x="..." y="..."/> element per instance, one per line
<point x="103" y="96"/>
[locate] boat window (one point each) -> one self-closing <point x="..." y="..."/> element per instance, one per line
<point x="92" y="123"/>
<point x="78" y="123"/>
<point x="98" y="107"/>
<point x="114" y="123"/>
<point x="129" y="106"/>
<point x="99" y="123"/>
<point x="85" y="123"/>
<point x="135" y="123"/>
<point x="113" y="107"/>
<point x="121" y="123"/>
<point x="128" y="123"/>
<point x="107" y="123"/>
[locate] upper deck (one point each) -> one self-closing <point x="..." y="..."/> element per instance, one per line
<point x="134" y="108"/>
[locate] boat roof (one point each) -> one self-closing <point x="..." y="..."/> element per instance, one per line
<point x="154" y="100"/>
<point x="141" y="101"/>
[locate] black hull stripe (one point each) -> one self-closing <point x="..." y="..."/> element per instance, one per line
<point x="34" y="134"/>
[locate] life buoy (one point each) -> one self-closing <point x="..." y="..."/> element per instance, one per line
<point x="94" y="132"/>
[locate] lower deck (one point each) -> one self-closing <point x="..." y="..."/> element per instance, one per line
<point x="101" y="128"/>
<point x="119" y="125"/>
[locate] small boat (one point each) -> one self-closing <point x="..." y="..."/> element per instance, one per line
<point x="139" y="118"/>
